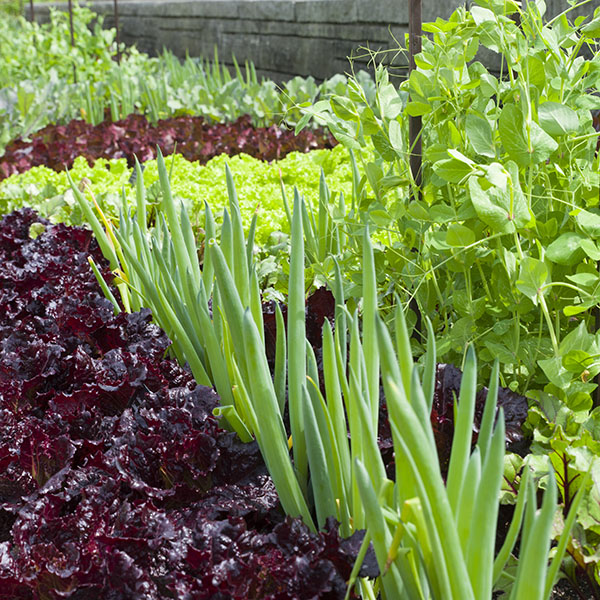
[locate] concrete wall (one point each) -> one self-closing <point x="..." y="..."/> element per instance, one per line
<point x="282" y="37"/>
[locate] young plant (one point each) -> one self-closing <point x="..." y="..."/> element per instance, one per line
<point x="441" y="535"/>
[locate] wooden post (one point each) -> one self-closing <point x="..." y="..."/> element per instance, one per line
<point x="415" y="32"/>
<point x="414" y="123"/>
<point x="117" y="31"/>
<point x="596" y="398"/>
<point x="31" y="13"/>
<point x="72" y="38"/>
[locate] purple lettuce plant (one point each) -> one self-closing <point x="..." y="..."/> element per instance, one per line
<point x="116" y="481"/>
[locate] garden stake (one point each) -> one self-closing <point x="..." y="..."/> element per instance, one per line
<point x="72" y="37"/>
<point x="414" y="123"/>
<point x="117" y="32"/>
<point x="597" y="323"/>
<point x="415" y="32"/>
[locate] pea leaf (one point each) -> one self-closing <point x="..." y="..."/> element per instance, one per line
<point x="525" y="149"/>
<point x="479" y="135"/>
<point x="533" y="274"/>
<point x="454" y="169"/>
<point x="555" y="372"/>
<point x="502" y="205"/>
<point x="590" y="249"/>
<point x="589" y="223"/>
<point x="459" y="236"/>
<point x="390" y="101"/>
<point x="566" y="249"/>
<point x="576" y="361"/>
<point x="557" y="119"/>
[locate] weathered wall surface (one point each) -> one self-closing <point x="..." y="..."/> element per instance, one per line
<point x="282" y="37"/>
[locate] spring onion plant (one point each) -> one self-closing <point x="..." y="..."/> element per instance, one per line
<point x="433" y="538"/>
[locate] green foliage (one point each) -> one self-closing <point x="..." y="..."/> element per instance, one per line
<point x="258" y="184"/>
<point x="500" y="249"/>
<point x="570" y="439"/>
<point x="432" y="539"/>
<point x="44" y="80"/>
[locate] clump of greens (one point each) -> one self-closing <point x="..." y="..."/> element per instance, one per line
<point x="44" y="80"/>
<point x="258" y="184"/>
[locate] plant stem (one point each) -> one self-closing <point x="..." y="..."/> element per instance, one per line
<point x="546" y="314"/>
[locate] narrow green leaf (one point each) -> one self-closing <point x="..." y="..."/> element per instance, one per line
<point x="168" y="206"/>
<point x="274" y="446"/>
<point x="280" y="376"/>
<point x="140" y="195"/>
<point x="103" y="285"/>
<point x="484" y="438"/>
<point x="513" y="531"/>
<point x="318" y="444"/>
<point x="533" y="558"/>
<point x="430" y="366"/>
<point x="369" y="326"/>
<point x="296" y="342"/>
<point x="482" y="541"/>
<point x="461" y="442"/>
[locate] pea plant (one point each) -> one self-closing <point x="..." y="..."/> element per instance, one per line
<point x="498" y="246"/>
<point x="501" y="248"/>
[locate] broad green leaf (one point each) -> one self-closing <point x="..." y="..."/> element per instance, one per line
<point x="488" y="207"/>
<point x="501" y="352"/>
<point x="584" y="279"/>
<point x="536" y="72"/>
<point x="576" y="361"/>
<point x="555" y="372"/>
<point x="503" y="207"/>
<point x="396" y="136"/>
<point x="576" y="309"/>
<point x="344" y="108"/>
<point x="459" y="236"/>
<point x="420" y="84"/>
<point x="481" y="15"/>
<point x="542" y="144"/>
<point x="588" y="101"/>
<point x="454" y="169"/>
<point x="566" y="250"/>
<point x="557" y="119"/>
<point x="513" y="463"/>
<point x="417" y="109"/>
<point x="592" y="29"/>
<point x="577" y="339"/>
<point x="589" y="223"/>
<point x="383" y="147"/>
<point x="389" y="101"/>
<point x="532" y="276"/>
<point x="523" y="147"/>
<point x="590" y="249"/>
<point x="479" y="135"/>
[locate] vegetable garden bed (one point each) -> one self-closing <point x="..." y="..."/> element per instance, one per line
<point x="242" y="396"/>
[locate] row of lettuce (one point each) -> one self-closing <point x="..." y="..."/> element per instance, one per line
<point x="46" y="80"/>
<point x="497" y="249"/>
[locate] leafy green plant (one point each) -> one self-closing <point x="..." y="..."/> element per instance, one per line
<point x="36" y="70"/>
<point x="570" y="440"/>
<point x="258" y="183"/>
<point x="501" y="248"/>
<point x="428" y="536"/>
